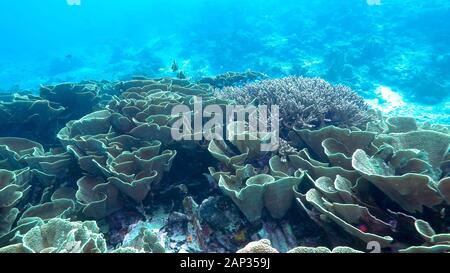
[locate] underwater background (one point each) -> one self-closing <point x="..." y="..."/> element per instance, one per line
<point x="401" y="45"/>
<point x="88" y="161"/>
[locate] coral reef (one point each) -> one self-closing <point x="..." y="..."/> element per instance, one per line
<point x="233" y="79"/>
<point x="265" y="246"/>
<point x="112" y="179"/>
<point x="252" y="187"/>
<point x="262" y="246"/>
<point x="22" y="115"/>
<point x="77" y="99"/>
<point x="405" y="169"/>
<point x="61" y="236"/>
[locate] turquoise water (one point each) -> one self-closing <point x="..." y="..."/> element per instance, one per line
<point x="403" y="45"/>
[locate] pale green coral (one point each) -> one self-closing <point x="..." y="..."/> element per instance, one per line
<point x="434" y="243"/>
<point x="356" y="184"/>
<point x="14" y="187"/>
<point x="251" y="189"/>
<point x="411" y="191"/>
<point x="261" y="246"/>
<point x="313" y="250"/>
<point x="61" y="236"/>
<point x="348" y="217"/>
<point x="142" y="239"/>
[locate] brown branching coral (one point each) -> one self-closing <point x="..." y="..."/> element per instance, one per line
<point x="304" y="102"/>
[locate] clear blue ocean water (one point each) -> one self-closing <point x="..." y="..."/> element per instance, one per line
<point x="396" y="53"/>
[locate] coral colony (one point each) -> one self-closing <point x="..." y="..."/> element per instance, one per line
<point x="253" y="119"/>
<point x="121" y="130"/>
<point x="106" y="175"/>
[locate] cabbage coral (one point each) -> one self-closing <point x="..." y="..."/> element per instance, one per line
<point x="386" y="183"/>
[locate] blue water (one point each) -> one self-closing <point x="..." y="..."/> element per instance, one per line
<point x="401" y="45"/>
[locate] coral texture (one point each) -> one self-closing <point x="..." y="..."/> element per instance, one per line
<point x="114" y="180"/>
<point x="303" y="102"/>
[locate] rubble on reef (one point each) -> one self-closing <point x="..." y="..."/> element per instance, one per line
<point x="108" y="177"/>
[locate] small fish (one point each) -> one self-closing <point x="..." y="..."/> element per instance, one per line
<point x="174" y="66"/>
<point x="69" y="56"/>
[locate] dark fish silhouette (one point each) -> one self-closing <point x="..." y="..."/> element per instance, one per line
<point x="174" y="66"/>
<point x="181" y="75"/>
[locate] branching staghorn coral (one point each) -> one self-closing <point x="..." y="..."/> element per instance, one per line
<point x="304" y="102"/>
